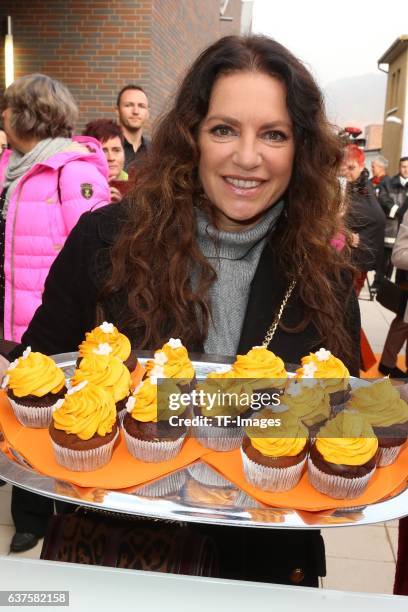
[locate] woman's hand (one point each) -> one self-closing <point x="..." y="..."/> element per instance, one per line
<point x="115" y="194"/>
<point x="4" y="364"/>
<point x="355" y="240"/>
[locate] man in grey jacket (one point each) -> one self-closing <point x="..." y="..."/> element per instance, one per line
<point x="398" y="332"/>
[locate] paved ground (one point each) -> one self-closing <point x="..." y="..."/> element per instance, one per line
<point x="358" y="558"/>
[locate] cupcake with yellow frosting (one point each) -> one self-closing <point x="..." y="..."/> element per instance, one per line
<point x="150" y="434"/>
<point x="309" y="401"/>
<point x="107" y="333"/>
<point x="101" y="368"/>
<point x="84" y="428"/>
<point x="34" y="384"/>
<point x="172" y="361"/>
<point x="381" y="404"/>
<point x="221" y="399"/>
<point x="343" y="458"/>
<point x="274" y="457"/>
<point x="266" y="370"/>
<point x="331" y="372"/>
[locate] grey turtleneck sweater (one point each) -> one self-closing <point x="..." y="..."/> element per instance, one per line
<point x="234" y="257"/>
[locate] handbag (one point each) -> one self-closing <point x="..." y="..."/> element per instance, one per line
<point x="104" y="538"/>
<point x="390" y="295"/>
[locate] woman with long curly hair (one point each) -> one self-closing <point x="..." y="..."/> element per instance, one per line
<point x="236" y="209"/>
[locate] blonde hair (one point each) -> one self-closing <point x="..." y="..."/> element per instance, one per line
<point x="40" y="107"/>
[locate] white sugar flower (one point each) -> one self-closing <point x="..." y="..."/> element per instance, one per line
<point x="77" y="387"/>
<point x="5" y="382"/>
<point x="58" y="404"/>
<point x="130" y="404"/>
<point x="157" y="371"/>
<point x="26" y="352"/>
<point x="13" y="365"/>
<point x="309" y="370"/>
<point x="107" y="328"/>
<point x="102" y="349"/>
<point x="323" y="354"/>
<point x="294" y="390"/>
<point x="174" y="343"/>
<point x="160" y="358"/>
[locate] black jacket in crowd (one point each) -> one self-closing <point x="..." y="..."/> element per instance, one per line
<point x="365" y="218"/>
<point x="68" y="311"/>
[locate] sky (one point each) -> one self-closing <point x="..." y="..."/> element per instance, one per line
<point x="335" y="39"/>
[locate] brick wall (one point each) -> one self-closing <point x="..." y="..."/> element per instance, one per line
<point x="180" y="30"/>
<point x="98" y="46"/>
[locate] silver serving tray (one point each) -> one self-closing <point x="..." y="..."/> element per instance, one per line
<point x="197" y="493"/>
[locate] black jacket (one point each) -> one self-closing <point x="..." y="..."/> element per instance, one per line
<point x="68" y="311"/>
<point x="392" y="192"/>
<point x="72" y="286"/>
<point x="365" y="218"/>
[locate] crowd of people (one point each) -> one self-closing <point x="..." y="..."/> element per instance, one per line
<point x="236" y="199"/>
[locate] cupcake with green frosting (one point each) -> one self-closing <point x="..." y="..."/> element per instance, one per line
<point x="309" y="401"/>
<point x="381" y="404"/>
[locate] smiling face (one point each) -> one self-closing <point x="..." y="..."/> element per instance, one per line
<point x="246" y="148"/>
<point x="115" y="156"/>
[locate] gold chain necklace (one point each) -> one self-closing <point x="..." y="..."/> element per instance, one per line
<point x="272" y="329"/>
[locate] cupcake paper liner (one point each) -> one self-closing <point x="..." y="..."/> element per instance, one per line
<point x="387" y="456"/>
<point x="336" y="486"/>
<point x="243" y="500"/>
<point x="121" y="415"/>
<point x="153" y="452"/>
<point x="84" y="460"/>
<point x="38" y="417"/>
<point x="165" y="486"/>
<point x="271" y="478"/>
<point x="207" y="476"/>
<point x="220" y="439"/>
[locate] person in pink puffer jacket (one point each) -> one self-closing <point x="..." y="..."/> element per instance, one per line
<point x="50" y="180"/>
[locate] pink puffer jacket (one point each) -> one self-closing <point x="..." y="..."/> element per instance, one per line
<point x="3" y="164"/>
<point x="44" y="207"/>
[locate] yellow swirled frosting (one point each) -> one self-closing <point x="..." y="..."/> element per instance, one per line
<point x="308" y="400"/>
<point x="380" y="403"/>
<point x="348" y="439"/>
<point x="106" y="334"/>
<point x="289" y="439"/>
<point x="142" y="405"/>
<point x="324" y="365"/>
<point x="171" y="361"/>
<point x="34" y="374"/>
<point x="260" y="363"/>
<point x="105" y="371"/>
<point x="85" y="411"/>
<point x="224" y="395"/>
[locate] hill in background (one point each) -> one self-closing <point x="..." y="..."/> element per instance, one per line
<point x="357" y="101"/>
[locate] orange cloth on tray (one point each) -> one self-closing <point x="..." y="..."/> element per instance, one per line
<point x="121" y="472"/>
<point x="305" y="497"/>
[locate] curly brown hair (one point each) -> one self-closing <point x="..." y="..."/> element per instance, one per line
<point x="156" y="250"/>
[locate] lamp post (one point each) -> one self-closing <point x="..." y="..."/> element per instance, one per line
<point x="9" y="55"/>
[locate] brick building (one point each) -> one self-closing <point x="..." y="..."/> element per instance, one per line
<point x="98" y="46"/>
